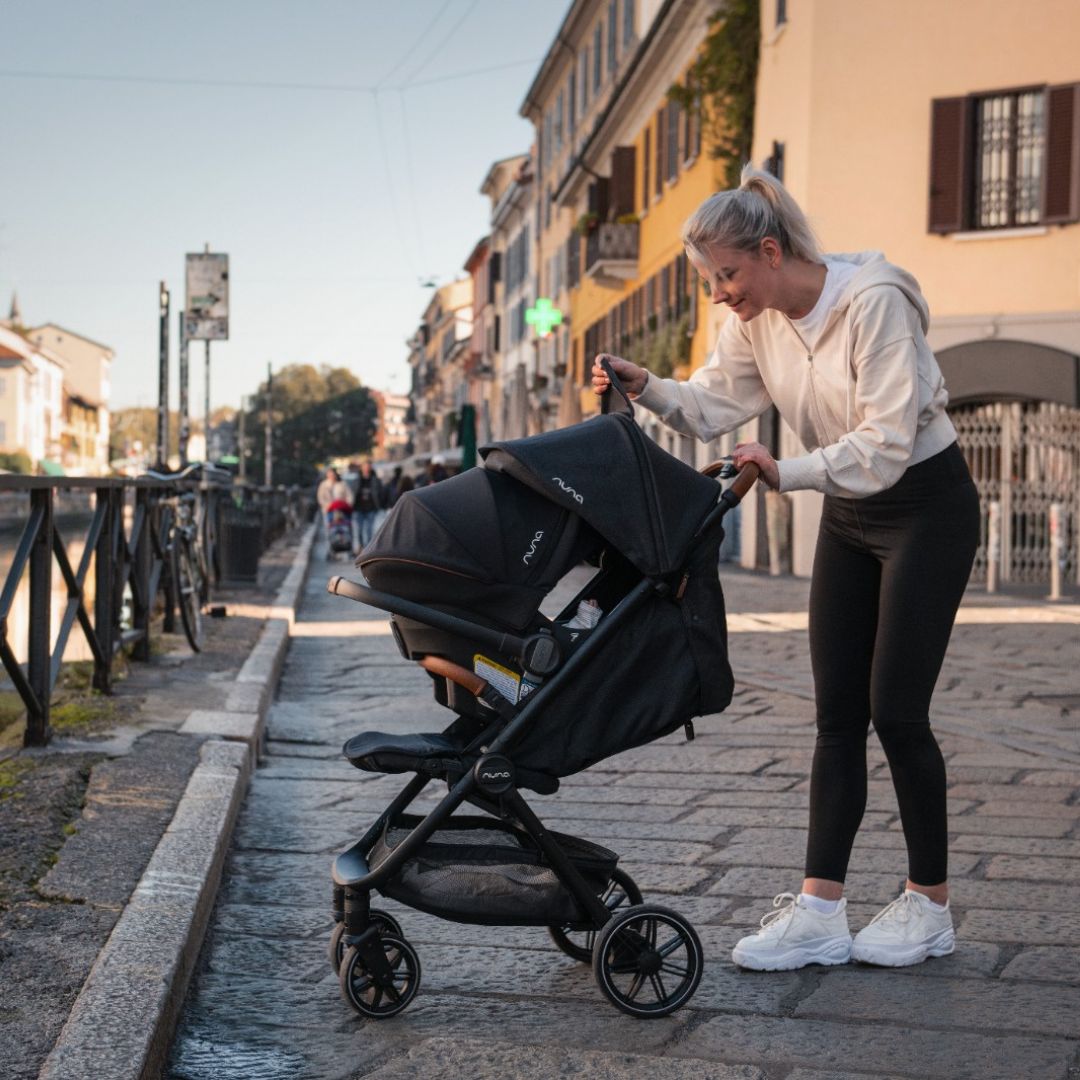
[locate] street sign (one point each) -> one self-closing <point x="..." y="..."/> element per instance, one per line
<point x="206" y="312"/>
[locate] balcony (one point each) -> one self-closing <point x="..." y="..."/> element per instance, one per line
<point x="611" y="254"/>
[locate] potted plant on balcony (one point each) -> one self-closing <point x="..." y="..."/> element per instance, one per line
<point x="587" y="223"/>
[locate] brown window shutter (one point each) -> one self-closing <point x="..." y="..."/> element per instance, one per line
<point x="1061" y="177"/>
<point x="950" y="164"/>
<point x="622" y="180"/>
<point x="660" y="144"/>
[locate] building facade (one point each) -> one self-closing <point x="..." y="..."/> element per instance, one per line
<point x="31" y="400"/>
<point x="959" y="158"/>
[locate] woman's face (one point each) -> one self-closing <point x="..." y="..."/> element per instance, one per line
<point x="744" y="280"/>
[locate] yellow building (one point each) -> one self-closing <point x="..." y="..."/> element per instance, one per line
<point x="621" y="169"/>
<point x="948" y="137"/>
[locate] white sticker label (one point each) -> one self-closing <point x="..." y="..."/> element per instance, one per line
<point x="507" y="682"/>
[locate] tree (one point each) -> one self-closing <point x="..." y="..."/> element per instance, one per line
<point x="128" y="426"/>
<point x="17" y="462"/>
<point x="317" y="414"/>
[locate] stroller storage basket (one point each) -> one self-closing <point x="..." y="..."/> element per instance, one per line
<point x="482" y="871"/>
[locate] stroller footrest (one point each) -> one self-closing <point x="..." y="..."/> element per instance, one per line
<point x="375" y="751"/>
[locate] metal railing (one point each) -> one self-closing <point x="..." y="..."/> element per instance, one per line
<point x="127" y="545"/>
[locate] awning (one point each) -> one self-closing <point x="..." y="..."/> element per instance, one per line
<point x="51" y="468"/>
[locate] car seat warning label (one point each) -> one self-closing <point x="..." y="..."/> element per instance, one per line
<point x="507" y="682"/>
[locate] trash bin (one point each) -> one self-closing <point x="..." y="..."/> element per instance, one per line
<point x="241" y="535"/>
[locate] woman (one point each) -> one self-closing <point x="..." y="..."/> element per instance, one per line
<point x="837" y="344"/>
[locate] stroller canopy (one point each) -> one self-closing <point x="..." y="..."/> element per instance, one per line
<point x="478" y="541"/>
<point x="607" y="470"/>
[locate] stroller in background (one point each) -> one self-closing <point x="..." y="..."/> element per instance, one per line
<point x="463" y="567"/>
<point x="338" y="529"/>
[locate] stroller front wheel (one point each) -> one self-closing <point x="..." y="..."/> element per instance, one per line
<point x="380" y="995"/>
<point x="577" y="939"/>
<point x="647" y="961"/>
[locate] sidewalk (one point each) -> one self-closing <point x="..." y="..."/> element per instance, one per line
<point x="712" y="829"/>
<point x="139" y="785"/>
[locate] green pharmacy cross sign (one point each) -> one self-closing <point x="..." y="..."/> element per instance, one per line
<point x="543" y="316"/>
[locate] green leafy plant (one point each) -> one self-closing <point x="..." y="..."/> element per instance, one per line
<point x="17" y="462"/>
<point x="663" y="350"/>
<point x="720" y="89"/>
<point x="587" y="223"/>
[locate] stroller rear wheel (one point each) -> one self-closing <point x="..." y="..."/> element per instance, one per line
<point x="387" y="924"/>
<point x="647" y="961"/>
<point x="375" y="997"/>
<point x="577" y="939"/>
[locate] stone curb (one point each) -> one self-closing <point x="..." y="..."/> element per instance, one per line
<point x="122" y="1022"/>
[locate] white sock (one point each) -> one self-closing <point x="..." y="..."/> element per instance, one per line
<point x="826" y="907"/>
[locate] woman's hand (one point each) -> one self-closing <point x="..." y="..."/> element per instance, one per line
<point x="761" y="457"/>
<point x="630" y="375"/>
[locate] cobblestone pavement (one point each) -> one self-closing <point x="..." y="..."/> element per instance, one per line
<point x="712" y="829"/>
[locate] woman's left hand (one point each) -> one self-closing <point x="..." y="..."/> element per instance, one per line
<point x="761" y="457"/>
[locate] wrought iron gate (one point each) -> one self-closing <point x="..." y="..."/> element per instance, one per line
<point x="1027" y="456"/>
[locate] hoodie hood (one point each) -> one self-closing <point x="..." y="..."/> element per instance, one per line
<point x="875" y="269"/>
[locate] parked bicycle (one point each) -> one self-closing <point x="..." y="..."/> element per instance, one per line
<point x="189" y="545"/>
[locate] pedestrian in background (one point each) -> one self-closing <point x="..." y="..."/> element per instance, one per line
<point x="837" y="343"/>
<point x="331" y="489"/>
<point x="368" y="503"/>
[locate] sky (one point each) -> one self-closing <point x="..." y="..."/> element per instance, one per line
<point x="334" y="149"/>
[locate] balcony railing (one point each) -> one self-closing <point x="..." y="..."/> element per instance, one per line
<point x="611" y="254"/>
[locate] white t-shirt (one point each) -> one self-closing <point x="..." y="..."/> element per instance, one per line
<point x="838" y="274"/>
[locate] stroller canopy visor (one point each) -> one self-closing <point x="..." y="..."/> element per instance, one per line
<point x="610" y="473"/>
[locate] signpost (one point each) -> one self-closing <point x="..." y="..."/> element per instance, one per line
<point x="206" y="318"/>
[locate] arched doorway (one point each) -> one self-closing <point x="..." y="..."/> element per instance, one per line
<point x="1016" y="409"/>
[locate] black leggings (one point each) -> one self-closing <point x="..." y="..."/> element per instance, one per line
<point x="889" y="573"/>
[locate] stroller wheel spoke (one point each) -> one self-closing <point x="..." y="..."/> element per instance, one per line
<point x="637" y="976"/>
<point x="366" y="991"/>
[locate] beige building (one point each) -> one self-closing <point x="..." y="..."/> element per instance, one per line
<point x="87" y="386"/>
<point x="510" y="187"/>
<point x="948" y="137"/>
<point x="438" y="352"/>
<point x="31" y="400"/>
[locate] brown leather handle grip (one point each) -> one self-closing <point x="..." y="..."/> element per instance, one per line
<point x="744" y="481"/>
<point x="472" y="682"/>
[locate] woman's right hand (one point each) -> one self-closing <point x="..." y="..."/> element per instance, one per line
<point x="630" y="375"/>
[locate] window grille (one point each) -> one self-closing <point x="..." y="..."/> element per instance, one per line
<point x="1010" y="133"/>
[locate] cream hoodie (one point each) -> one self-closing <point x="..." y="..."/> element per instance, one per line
<point x="867" y="402"/>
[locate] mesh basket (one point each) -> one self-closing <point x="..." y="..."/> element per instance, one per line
<point x="481" y="871"/>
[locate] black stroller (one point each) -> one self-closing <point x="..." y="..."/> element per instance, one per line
<point x="463" y="567"/>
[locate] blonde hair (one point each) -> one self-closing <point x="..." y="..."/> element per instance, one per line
<point x="759" y="207"/>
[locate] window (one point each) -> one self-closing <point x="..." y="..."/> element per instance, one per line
<point x="673" y="128"/>
<point x="627" y="23"/>
<point x="774" y="163"/>
<point x="3" y="385"/>
<point x="3" y="433"/>
<point x="546" y="141"/>
<point x="660" y="152"/>
<point x="558" y="121"/>
<point x="1009" y="159"/>
<point x="598" y="59"/>
<point x="646" y="157"/>
<point x="612" y="39"/>
<point x="583" y="79"/>
<point x="571" y="104"/>
<point x="781" y="12"/>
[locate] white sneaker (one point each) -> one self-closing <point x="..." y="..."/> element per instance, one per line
<point x="794" y="936"/>
<point x="909" y="930"/>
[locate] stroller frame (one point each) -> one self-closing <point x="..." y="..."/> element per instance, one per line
<point x="636" y="950"/>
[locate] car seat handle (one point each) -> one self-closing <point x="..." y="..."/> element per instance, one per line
<point x="608" y="403"/>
